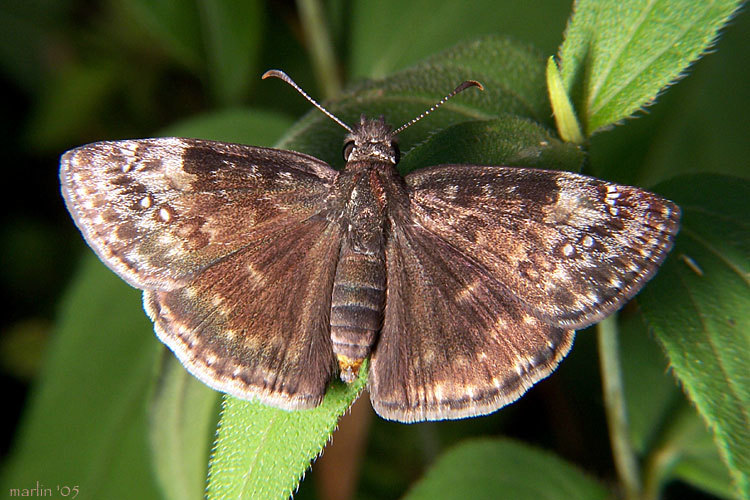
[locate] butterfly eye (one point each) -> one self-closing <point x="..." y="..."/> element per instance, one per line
<point x="348" y="148"/>
<point x="396" y="152"/>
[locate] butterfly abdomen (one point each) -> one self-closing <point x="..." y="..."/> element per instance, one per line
<point x="356" y="308"/>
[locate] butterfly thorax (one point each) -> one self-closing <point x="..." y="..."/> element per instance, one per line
<point x="367" y="190"/>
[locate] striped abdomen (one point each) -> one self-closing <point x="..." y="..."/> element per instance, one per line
<point x="356" y="308"/>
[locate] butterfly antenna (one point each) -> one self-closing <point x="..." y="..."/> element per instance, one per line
<point x="460" y="88"/>
<point x="275" y="73"/>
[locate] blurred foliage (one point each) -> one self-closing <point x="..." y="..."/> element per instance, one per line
<point x="84" y="70"/>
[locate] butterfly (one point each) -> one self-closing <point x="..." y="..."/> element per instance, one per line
<point x="269" y="273"/>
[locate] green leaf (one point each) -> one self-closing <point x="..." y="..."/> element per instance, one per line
<point x="232" y="32"/>
<point x="699" y="308"/>
<point x="665" y="430"/>
<point x="492" y="468"/>
<point x="262" y="452"/>
<point x="565" y="116"/>
<point x="509" y="140"/>
<point x="617" y="56"/>
<point x="685" y="450"/>
<point x="86" y="424"/>
<point x="183" y="419"/>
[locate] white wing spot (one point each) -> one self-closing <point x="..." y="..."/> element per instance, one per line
<point x="587" y="241"/>
<point x="146" y="201"/>
<point x="568" y="250"/>
<point x="165" y="215"/>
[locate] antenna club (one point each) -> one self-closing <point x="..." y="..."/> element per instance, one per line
<point x="275" y="73"/>
<point x="467" y="84"/>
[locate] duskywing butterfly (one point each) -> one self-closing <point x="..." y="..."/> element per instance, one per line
<point x="267" y="271"/>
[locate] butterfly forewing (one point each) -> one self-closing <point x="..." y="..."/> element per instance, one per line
<point x="570" y="248"/>
<point x="158" y="211"/>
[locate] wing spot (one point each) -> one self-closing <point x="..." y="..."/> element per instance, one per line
<point x="568" y="250"/>
<point x="587" y="241"/>
<point x="165" y="214"/>
<point x="146" y="201"/>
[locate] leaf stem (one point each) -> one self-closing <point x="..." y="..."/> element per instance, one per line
<point x="320" y="46"/>
<point x="614" y="403"/>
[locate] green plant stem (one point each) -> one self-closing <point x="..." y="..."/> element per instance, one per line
<point x="320" y="46"/>
<point x="614" y="404"/>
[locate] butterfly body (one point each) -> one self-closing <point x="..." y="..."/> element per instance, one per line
<point x="268" y="272"/>
<point x="368" y="192"/>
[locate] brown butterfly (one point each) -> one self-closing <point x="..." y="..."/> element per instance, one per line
<point x="267" y="271"/>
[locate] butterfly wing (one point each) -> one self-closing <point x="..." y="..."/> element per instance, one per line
<point x="570" y="248"/>
<point x="158" y="211"/>
<point x="453" y="343"/>
<point x="491" y="271"/>
<point x="234" y="248"/>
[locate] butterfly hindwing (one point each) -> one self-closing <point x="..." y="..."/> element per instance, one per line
<point x="453" y="344"/>
<point x="255" y="325"/>
<point x="570" y="248"/>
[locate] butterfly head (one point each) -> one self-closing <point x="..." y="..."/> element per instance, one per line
<point x="371" y="140"/>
